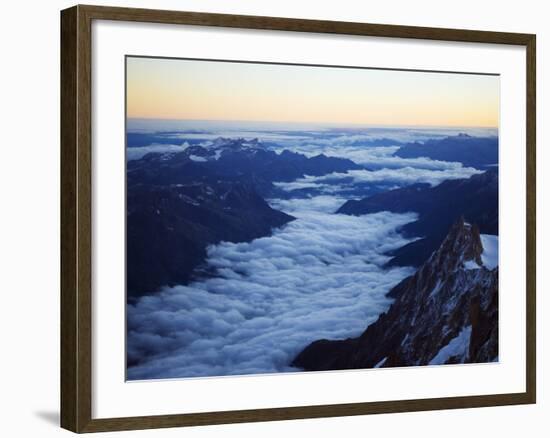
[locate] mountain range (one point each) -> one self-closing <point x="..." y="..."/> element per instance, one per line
<point x="479" y="152"/>
<point x="474" y="198"/>
<point x="232" y="159"/>
<point x="178" y="203"/>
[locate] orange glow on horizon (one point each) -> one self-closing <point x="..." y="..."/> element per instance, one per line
<point x="204" y="90"/>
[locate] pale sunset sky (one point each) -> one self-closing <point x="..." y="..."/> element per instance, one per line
<point x="214" y="90"/>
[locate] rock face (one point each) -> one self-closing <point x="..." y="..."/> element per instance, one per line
<point x="475" y="198"/>
<point x="447" y="312"/>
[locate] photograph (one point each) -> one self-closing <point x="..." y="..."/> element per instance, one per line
<point x="292" y="218"/>
<point x="275" y="219"/>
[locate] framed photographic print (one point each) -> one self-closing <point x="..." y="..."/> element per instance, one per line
<point x="270" y="218"/>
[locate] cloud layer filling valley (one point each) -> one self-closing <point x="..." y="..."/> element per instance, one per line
<point x="320" y="276"/>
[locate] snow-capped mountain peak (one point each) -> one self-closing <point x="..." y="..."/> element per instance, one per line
<point x="213" y="150"/>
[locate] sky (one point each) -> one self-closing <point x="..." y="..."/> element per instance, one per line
<point x="216" y="90"/>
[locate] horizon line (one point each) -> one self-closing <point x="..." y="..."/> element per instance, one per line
<point x="311" y="123"/>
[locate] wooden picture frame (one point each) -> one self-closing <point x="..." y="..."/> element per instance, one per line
<point x="76" y="217"/>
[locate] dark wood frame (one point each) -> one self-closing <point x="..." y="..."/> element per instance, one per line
<point x="76" y="219"/>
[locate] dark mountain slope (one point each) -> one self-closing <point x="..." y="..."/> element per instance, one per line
<point x="478" y="152"/>
<point x="445" y="313"/>
<point x="475" y="198"/>
<point x="170" y="226"/>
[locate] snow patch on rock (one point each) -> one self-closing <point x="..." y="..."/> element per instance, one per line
<point x="489" y="256"/>
<point x="456" y="347"/>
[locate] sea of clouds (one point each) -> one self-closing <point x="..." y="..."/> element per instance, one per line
<point x="205" y="129"/>
<point x="357" y="144"/>
<point x="335" y="182"/>
<point x="372" y="157"/>
<point x="139" y="152"/>
<point x="320" y="276"/>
